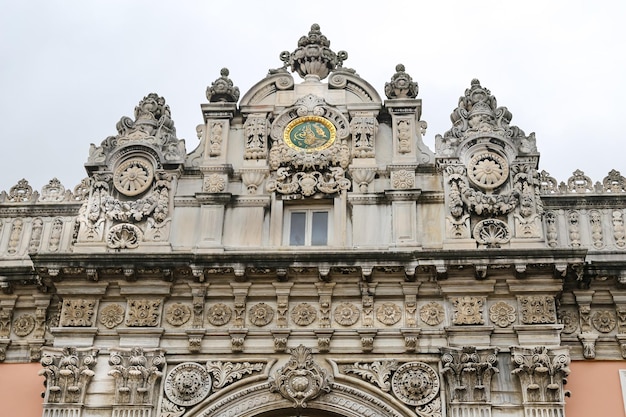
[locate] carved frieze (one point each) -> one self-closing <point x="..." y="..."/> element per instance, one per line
<point x="551" y="229"/>
<point x="55" y="235"/>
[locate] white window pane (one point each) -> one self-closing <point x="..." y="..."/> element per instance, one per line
<point x="319" y="228"/>
<point x="297" y="229"/>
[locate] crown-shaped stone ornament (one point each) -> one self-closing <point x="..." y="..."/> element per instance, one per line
<point x="313" y="55"/>
<point x="401" y="85"/>
<point x="153" y="127"/>
<point x="222" y="89"/>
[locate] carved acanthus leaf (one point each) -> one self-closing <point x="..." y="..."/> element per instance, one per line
<point x="377" y="372"/>
<point x="225" y="373"/>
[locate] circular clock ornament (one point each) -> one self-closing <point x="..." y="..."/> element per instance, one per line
<point x="133" y="177"/>
<point x="310" y="133"/>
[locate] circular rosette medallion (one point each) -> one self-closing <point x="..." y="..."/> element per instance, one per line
<point x="415" y="383"/>
<point x="187" y="384"/>
<point x="488" y="170"/>
<point x="310" y="133"/>
<point x="133" y="177"/>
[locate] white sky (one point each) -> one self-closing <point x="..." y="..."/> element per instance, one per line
<point x="70" y="69"/>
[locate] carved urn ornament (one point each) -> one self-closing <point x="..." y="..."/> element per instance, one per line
<point x="313" y="55"/>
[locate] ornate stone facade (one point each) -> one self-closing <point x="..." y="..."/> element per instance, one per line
<point x="313" y="255"/>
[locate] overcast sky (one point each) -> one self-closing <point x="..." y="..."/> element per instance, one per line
<point x="70" y="69"/>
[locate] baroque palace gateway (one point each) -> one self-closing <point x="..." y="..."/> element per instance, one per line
<point x="312" y="257"/>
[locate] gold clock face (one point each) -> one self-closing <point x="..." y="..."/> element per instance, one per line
<point x="310" y="133"/>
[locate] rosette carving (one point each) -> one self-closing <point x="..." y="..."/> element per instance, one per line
<point x="502" y="314"/>
<point x="388" y="313"/>
<point x="415" y="383"/>
<point x="432" y="313"/>
<point x="346" y="314"/>
<point x="24" y="325"/>
<point x="304" y="314"/>
<point x="219" y="314"/>
<point x="187" y="384"/>
<point x="133" y="177"/>
<point x="178" y="314"/>
<point x="488" y="170"/>
<point x="112" y="315"/>
<point x="261" y="314"/>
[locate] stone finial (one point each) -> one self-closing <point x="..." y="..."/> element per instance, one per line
<point x="401" y="85"/>
<point x="222" y="89"/>
<point x="477" y="115"/>
<point x="153" y="126"/>
<point x="313" y="55"/>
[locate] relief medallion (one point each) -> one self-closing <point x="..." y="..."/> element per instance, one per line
<point x="309" y="133"/>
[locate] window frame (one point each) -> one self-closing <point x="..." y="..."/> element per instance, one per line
<point x="309" y="211"/>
